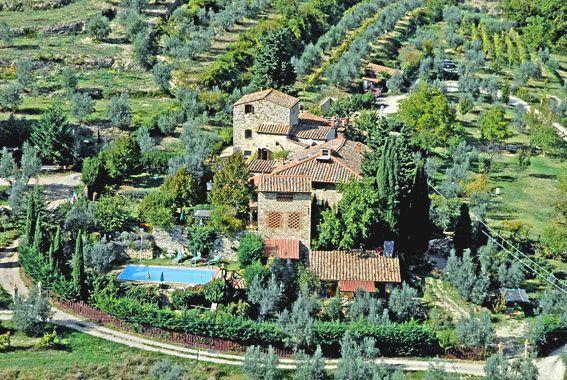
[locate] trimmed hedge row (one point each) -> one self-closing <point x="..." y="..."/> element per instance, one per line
<point x="395" y="339"/>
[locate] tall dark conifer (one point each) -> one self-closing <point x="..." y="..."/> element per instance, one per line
<point x="416" y="224"/>
<point x="463" y="231"/>
<point x="78" y="273"/>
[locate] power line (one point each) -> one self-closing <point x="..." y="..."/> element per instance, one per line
<point x="547" y="279"/>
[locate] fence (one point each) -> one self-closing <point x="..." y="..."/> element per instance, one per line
<point x="182" y="338"/>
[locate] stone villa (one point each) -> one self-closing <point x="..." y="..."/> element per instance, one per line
<point x="295" y="159"/>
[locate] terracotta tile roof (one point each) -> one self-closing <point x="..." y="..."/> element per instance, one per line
<point x="271" y="95"/>
<point x="275" y="128"/>
<point x="375" y="68"/>
<point x="330" y="171"/>
<point x="261" y="166"/>
<point x="282" y="248"/>
<point x="309" y="118"/>
<point x="353" y="286"/>
<point x="351" y="266"/>
<point x="313" y="132"/>
<point x="284" y="184"/>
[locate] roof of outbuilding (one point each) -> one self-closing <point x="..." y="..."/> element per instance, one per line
<point x="271" y="95"/>
<point x="354" y="266"/>
<point x="313" y="132"/>
<point x="284" y="184"/>
<point x="282" y="248"/>
<point x="353" y="286"/>
<point x="261" y="166"/>
<point x="275" y="128"/>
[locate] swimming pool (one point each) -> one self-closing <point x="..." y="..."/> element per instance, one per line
<point x="154" y="273"/>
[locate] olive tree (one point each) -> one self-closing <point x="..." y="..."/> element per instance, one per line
<point x="30" y="313"/>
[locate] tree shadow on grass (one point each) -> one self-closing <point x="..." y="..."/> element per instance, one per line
<point x="543" y="176"/>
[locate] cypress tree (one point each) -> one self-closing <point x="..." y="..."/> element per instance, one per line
<point x="416" y="223"/>
<point x="78" y="273"/>
<point x="29" y="222"/>
<point x="463" y="231"/>
<point x="54" y="249"/>
<point x="37" y="235"/>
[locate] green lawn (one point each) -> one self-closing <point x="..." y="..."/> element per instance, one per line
<point x="87" y="357"/>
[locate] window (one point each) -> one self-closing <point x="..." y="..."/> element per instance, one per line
<point x="274" y="220"/>
<point x="282" y="197"/>
<point x="263" y="154"/>
<point x="294" y="220"/>
<point x="248" y="134"/>
<point x="325" y="152"/>
<point x="248" y="108"/>
<point x="247" y="153"/>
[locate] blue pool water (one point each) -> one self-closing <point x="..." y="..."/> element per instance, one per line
<point x="193" y="276"/>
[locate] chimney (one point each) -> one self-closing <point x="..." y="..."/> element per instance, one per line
<point x="341" y="133"/>
<point x="358" y="147"/>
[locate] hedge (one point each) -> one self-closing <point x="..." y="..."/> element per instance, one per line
<point x="395" y="339"/>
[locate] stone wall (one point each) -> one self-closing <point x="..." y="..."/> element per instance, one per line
<point x="134" y="253"/>
<point x="264" y="112"/>
<point x="331" y="197"/>
<point x="300" y="206"/>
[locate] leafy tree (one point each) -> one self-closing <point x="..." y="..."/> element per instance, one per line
<point x="215" y="290"/>
<point x="429" y="115"/>
<point x="93" y="175"/>
<point x="80" y="218"/>
<point x="542" y="133"/>
<point x="272" y="62"/>
<point x="197" y="145"/>
<point x="121" y="158"/>
<point x="142" y="49"/>
<point x="70" y="80"/>
<point x="357" y="359"/>
<point x="463" y="230"/>
<point x="24" y="73"/>
<point x="352" y="222"/>
<point x="30" y="163"/>
<point x="475" y="332"/>
<point x="266" y="295"/>
<point x="167" y="122"/>
<point x="497" y="367"/>
<point x="31" y="313"/>
<point x="230" y="185"/>
<point x="395" y="83"/>
<point x="10" y="97"/>
<point x="162" y="76"/>
<point x="297" y="322"/>
<point x="98" y="27"/>
<point x="311" y="368"/>
<point x="8" y="167"/>
<point x="82" y="106"/>
<point x="466" y="103"/>
<point x="250" y="249"/>
<point x="119" y="111"/>
<point x="113" y="213"/>
<point x="182" y="188"/>
<point x="256" y="269"/>
<point x="157" y="208"/>
<point x="260" y="365"/>
<point x="134" y="24"/>
<point x="493" y="125"/>
<point x="403" y="302"/>
<point x="53" y="136"/>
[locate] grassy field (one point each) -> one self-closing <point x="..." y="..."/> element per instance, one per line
<point x="87" y="357"/>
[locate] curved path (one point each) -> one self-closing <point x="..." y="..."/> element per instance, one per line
<point x="550" y="367"/>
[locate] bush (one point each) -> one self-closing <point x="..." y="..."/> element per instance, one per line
<point x="157" y="209"/>
<point x="4" y="342"/>
<point x="98" y="27"/>
<point x="395" y="339"/>
<point x="31" y="313"/>
<point x="185" y="298"/>
<point x="167" y="370"/>
<point x="119" y="111"/>
<point x="250" y="249"/>
<point x="121" y="158"/>
<point x="215" y="290"/>
<point x="50" y="341"/>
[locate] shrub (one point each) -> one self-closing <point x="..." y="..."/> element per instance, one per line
<point x="119" y="111"/>
<point x="50" y="341"/>
<point x="167" y="370"/>
<point x="215" y="290"/>
<point x="4" y="342"/>
<point x="30" y="313"/>
<point x="403" y="302"/>
<point x="98" y="27"/>
<point x="250" y="249"/>
<point x="184" y="298"/>
<point x="167" y="122"/>
<point x="260" y="365"/>
<point x="82" y="106"/>
<point x="121" y="158"/>
<point x="157" y="209"/>
<point x="10" y="97"/>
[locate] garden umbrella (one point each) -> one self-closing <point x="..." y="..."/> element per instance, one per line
<point x="161" y="277"/>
